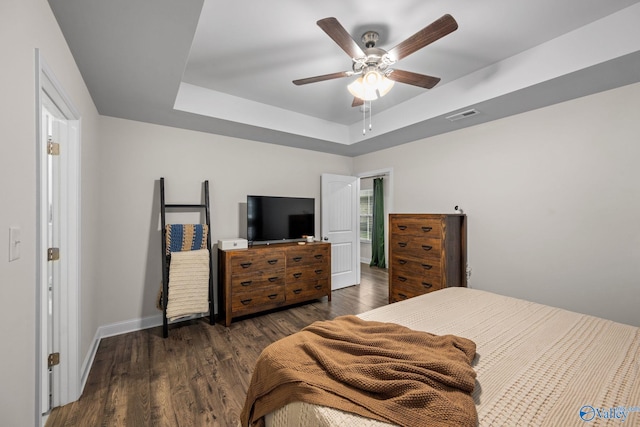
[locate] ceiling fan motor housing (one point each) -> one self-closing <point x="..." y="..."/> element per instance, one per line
<point x="370" y="38"/>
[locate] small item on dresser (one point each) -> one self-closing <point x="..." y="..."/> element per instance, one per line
<point x="458" y="209"/>
<point x="309" y="239"/>
<point x="233" y="244"/>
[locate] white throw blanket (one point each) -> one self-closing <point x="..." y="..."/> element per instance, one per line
<point x="188" y="283"/>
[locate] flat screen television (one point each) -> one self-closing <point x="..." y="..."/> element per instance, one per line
<point x="273" y="219"/>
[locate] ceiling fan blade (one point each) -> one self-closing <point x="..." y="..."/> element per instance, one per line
<point x="336" y="31"/>
<point x="323" y="78"/>
<point x="414" y="79"/>
<point x="432" y="32"/>
<point x="357" y="102"/>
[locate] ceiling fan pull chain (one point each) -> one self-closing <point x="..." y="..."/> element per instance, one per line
<point x="364" y="117"/>
<point x="370" y="108"/>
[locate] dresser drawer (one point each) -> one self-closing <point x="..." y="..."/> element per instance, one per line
<point x="248" y="301"/>
<point x="303" y="273"/>
<point x="305" y="291"/>
<point x="399" y="294"/>
<point x="417" y="247"/>
<point x="404" y="290"/>
<point x="248" y="281"/>
<point x="416" y="283"/>
<point x="306" y="255"/>
<point x="423" y="269"/>
<point x="253" y="261"/>
<point x="412" y="226"/>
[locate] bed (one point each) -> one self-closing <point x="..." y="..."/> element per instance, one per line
<point x="535" y="364"/>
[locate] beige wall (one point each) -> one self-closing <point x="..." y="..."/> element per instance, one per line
<point x="135" y="155"/>
<point x="24" y="26"/>
<point x="552" y="198"/>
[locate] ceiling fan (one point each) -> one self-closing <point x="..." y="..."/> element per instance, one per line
<point x="373" y="64"/>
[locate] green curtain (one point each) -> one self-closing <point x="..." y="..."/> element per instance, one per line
<point x="377" y="233"/>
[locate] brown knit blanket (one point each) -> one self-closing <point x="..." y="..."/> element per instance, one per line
<point x="378" y="370"/>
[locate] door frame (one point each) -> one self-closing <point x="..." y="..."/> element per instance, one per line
<point x="388" y="201"/>
<point x="69" y="290"/>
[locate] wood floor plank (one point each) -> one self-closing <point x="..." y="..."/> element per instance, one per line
<point x="199" y="375"/>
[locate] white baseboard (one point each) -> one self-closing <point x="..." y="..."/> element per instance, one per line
<point x="109" y="331"/>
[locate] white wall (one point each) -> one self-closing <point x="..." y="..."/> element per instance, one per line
<point x="134" y="157"/>
<point x="552" y="198"/>
<point x="24" y="26"/>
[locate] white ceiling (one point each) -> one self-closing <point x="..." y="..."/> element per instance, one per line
<point x="227" y="67"/>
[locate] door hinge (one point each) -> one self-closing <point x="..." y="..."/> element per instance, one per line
<point x="53" y="148"/>
<point x="53" y="254"/>
<point x="53" y="359"/>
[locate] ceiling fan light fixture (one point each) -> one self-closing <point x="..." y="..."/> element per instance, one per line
<point x="385" y="86"/>
<point x="370" y="86"/>
<point x="361" y="90"/>
<point x="372" y="78"/>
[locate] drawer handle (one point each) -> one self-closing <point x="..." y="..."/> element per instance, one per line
<point x="246" y="283"/>
<point x="297" y="259"/>
<point x="272" y="261"/>
<point x="402" y="261"/>
<point x="272" y="296"/>
<point x="318" y="287"/>
<point x="427" y="229"/>
<point x="402" y="244"/>
<point x="427" y="266"/>
<point x="402" y="227"/>
<point x="402" y="279"/>
<point x="427" y="285"/>
<point x="403" y="296"/>
<point x="245" y="301"/>
<point x="319" y="271"/>
<point x="272" y="279"/>
<point x="297" y="291"/>
<point x="427" y="247"/>
<point x="318" y="256"/>
<point x="297" y="275"/>
<point x="245" y="265"/>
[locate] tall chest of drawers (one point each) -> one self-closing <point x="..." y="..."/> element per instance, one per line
<point x="427" y="252"/>
<point x="270" y="276"/>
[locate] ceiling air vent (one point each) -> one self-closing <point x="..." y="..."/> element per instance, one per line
<point x="463" y="115"/>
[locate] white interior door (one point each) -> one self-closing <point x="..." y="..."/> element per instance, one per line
<point x="53" y="127"/>
<point x="58" y="227"/>
<point x="340" y="227"/>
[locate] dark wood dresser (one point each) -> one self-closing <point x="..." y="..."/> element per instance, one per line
<point x="270" y="276"/>
<point x="427" y="252"/>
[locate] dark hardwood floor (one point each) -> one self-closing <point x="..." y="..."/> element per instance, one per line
<point x="200" y="374"/>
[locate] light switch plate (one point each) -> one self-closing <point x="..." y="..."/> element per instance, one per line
<point x="14" y="243"/>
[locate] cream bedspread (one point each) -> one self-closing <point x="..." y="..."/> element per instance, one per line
<point x="536" y="365"/>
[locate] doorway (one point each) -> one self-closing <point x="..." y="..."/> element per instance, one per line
<point x="366" y="186"/>
<point x="340" y="222"/>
